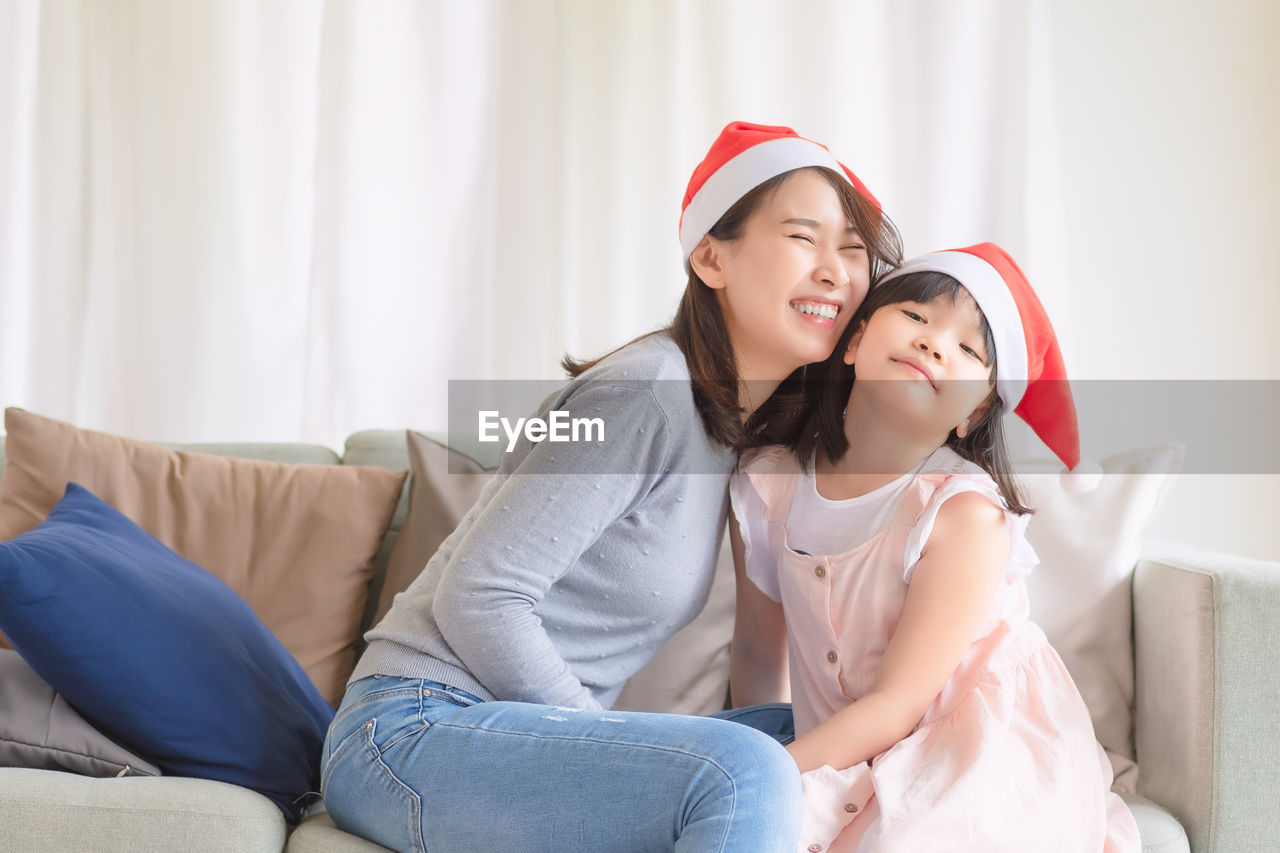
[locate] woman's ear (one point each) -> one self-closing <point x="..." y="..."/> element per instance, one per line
<point x="851" y="348"/>
<point x="706" y="260"/>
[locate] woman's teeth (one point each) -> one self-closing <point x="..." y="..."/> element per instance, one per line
<point x="828" y="311"/>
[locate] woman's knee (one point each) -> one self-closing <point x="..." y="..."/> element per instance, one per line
<point x="758" y="764"/>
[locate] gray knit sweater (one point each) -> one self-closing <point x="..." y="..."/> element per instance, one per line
<point x="579" y="559"/>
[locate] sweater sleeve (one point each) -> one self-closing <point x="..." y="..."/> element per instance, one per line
<point x="547" y="512"/>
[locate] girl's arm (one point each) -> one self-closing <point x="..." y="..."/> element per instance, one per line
<point x="948" y="598"/>
<point x="758" y="654"/>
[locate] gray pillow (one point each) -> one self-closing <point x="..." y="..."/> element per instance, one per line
<point x="38" y="729"/>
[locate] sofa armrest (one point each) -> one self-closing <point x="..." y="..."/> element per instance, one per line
<point x="1207" y="689"/>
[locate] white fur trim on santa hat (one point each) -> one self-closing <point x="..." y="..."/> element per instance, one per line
<point x="748" y="170"/>
<point x="991" y="293"/>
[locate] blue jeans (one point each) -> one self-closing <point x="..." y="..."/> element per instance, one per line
<point x="420" y="766"/>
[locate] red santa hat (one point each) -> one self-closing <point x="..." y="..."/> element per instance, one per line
<point x="744" y="156"/>
<point x="1031" y="377"/>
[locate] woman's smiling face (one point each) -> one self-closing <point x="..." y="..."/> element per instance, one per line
<point x="789" y="284"/>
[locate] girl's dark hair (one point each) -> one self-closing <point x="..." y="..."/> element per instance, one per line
<point x="808" y="416"/>
<point x="699" y="329"/>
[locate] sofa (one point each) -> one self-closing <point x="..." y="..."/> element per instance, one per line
<point x="1205" y="687"/>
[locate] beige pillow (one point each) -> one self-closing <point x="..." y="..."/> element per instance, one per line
<point x="1081" y="593"/>
<point x="297" y="542"/>
<point x="690" y="672"/>
<point x="443" y="486"/>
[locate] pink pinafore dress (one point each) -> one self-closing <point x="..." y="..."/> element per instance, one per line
<point x="1005" y="759"/>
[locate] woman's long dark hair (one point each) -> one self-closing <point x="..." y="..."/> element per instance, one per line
<point x="699" y="329"/>
<point x="808" y="416"/>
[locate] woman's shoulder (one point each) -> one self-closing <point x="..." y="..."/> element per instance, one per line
<point x="646" y="389"/>
<point x="652" y="374"/>
<point x="654" y="357"/>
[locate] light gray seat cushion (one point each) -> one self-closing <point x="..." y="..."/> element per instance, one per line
<point x="47" y="810"/>
<point x="1160" y="831"/>
<point x="317" y="834"/>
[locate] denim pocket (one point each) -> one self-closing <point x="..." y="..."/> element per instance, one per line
<point x="362" y="736"/>
<point x="366" y="797"/>
<point x="428" y="708"/>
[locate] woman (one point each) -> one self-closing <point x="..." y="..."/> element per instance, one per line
<point x="475" y="717"/>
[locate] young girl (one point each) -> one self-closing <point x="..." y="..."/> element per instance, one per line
<point x="476" y="719"/>
<point x="930" y="713"/>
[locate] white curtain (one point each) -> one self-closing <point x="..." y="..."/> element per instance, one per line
<point x="289" y="220"/>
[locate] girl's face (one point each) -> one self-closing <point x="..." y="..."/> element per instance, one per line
<point x="936" y="356"/>
<point x="789" y="284"/>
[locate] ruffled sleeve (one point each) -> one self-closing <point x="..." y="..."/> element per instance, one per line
<point x="936" y="489"/>
<point x="749" y="510"/>
<point x="757" y="491"/>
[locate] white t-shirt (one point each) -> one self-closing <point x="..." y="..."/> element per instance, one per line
<point x="819" y="526"/>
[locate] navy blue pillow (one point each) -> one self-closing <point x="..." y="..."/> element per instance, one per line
<point x="160" y="654"/>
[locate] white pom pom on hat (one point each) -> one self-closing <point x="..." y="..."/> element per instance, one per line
<point x="742" y="158"/>
<point x="1032" y="380"/>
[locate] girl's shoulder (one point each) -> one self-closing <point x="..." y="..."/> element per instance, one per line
<point x="945" y="462"/>
<point x="949" y="472"/>
<point x="769" y="460"/>
<point x="770" y="472"/>
<point x="945" y="475"/>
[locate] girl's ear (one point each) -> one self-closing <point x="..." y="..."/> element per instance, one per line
<point x="962" y="428"/>
<point x="707" y="262"/>
<point x="851" y="349"/>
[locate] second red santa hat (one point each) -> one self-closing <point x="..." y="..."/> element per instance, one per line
<point x="1031" y="375"/>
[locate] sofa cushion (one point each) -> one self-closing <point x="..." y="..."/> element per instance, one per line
<point x="40" y="730"/>
<point x="318" y="834"/>
<point x="1081" y="593"/>
<point x="160" y="654"/>
<point x="443" y="485"/>
<point x="297" y="542"/>
<point x="46" y="811"/>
